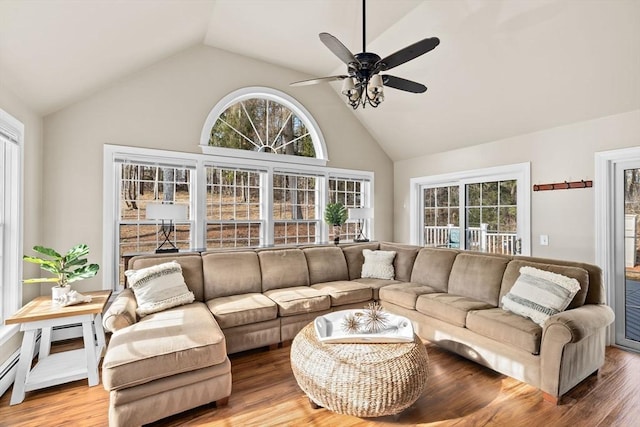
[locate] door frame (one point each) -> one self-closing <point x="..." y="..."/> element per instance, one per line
<point x="605" y="210"/>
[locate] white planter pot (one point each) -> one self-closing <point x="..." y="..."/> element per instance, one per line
<point x="58" y="291"/>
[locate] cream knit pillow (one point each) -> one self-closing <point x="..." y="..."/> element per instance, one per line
<point x="378" y="264"/>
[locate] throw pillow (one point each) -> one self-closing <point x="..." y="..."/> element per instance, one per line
<point x="159" y="287"/>
<point x="539" y="294"/>
<point x="378" y="264"/>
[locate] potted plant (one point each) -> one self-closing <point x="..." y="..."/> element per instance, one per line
<point x="67" y="268"/>
<point x="336" y="215"/>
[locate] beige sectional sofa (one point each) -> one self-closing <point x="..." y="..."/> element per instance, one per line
<point x="176" y="359"/>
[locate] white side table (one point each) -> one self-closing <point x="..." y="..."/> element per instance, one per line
<point x="62" y="367"/>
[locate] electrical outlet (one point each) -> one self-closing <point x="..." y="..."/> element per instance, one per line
<point x="544" y="240"/>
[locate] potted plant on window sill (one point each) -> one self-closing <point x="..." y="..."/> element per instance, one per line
<point x="336" y="215"/>
<point x="68" y="268"/>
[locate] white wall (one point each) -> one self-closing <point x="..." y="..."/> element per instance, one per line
<point x="165" y="106"/>
<point x="556" y="155"/>
<point x="32" y="182"/>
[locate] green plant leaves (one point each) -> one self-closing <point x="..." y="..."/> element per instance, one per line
<point x="68" y="268"/>
<point x="335" y="214"/>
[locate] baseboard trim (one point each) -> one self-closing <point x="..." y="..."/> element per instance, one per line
<point x="8" y="372"/>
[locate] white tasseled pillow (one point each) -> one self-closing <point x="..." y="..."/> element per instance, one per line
<point x="159" y="287"/>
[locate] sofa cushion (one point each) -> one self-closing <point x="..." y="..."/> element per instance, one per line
<point x="403" y="262"/>
<point x="163" y="344"/>
<point x="299" y="300"/>
<point x="355" y="259"/>
<point x="539" y="294"/>
<point x="191" y="264"/>
<point x="378" y="264"/>
<point x="505" y="327"/>
<point x="512" y="273"/>
<point x="326" y="264"/>
<point x="237" y="310"/>
<point x="159" y="287"/>
<point x="375" y="285"/>
<point x="449" y="307"/>
<point x="478" y="276"/>
<point x="432" y="268"/>
<point x="405" y="294"/>
<point x="283" y="268"/>
<point x="344" y="292"/>
<point x="231" y="273"/>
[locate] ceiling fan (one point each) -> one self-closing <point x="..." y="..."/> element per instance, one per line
<point x="364" y="84"/>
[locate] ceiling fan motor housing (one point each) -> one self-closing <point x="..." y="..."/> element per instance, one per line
<point x="366" y="65"/>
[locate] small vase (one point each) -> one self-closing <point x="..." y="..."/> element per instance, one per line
<point x="337" y="229"/>
<point x="58" y="291"/>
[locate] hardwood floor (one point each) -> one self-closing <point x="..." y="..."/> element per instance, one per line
<point x="459" y="393"/>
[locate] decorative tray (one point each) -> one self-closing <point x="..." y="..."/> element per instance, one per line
<point x="329" y="329"/>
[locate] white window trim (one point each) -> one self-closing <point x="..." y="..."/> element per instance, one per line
<point x="291" y="103"/>
<point x="13" y="236"/>
<point x="111" y="193"/>
<point x="519" y="171"/>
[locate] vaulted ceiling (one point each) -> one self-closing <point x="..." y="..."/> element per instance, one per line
<point x="503" y="68"/>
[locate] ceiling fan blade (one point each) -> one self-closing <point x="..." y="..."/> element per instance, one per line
<point x="407" y="54"/>
<point x="403" y="84"/>
<point x="338" y="49"/>
<point x="317" y="80"/>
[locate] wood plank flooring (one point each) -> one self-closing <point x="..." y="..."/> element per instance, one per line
<point x="459" y="393"/>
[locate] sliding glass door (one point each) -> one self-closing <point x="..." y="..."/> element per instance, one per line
<point x="627" y="283"/>
<point x="484" y="210"/>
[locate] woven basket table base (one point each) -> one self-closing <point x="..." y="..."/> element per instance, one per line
<point x="363" y="380"/>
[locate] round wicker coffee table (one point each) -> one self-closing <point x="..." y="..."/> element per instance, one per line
<point x="364" y="380"/>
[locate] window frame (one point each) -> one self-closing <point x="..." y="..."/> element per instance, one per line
<point x="521" y="172"/>
<point x="11" y="240"/>
<point x="111" y="193"/>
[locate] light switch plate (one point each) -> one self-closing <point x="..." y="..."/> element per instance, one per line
<point x="544" y="240"/>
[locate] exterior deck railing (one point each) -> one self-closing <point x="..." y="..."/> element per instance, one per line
<point x="478" y="239"/>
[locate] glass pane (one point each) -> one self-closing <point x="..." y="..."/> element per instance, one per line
<point x="632" y="273"/>
<point x="489" y="216"/>
<point x="473" y="217"/>
<point x="473" y="194"/>
<point x="442" y="196"/>
<point x="508" y="219"/>
<point x="508" y="192"/>
<point x="489" y="193"/>
<point x="262" y="125"/>
<point x="429" y="197"/>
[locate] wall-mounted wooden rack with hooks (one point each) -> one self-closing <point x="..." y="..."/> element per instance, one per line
<point x="563" y="185"/>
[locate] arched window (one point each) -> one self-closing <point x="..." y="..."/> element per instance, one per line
<point x="265" y="124"/>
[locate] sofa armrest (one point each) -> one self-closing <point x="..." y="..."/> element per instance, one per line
<point x="121" y="313"/>
<point x="576" y="324"/>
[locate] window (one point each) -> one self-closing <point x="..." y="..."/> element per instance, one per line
<point x="295" y="209"/>
<point x="234" y="207"/>
<point x="11" y="140"/>
<point x="352" y="193"/>
<point x="441" y="216"/>
<point x="484" y="210"/>
<point x="262" y="180"/>
<point x="141" y="183"/>
<point x="264" y="124"/>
